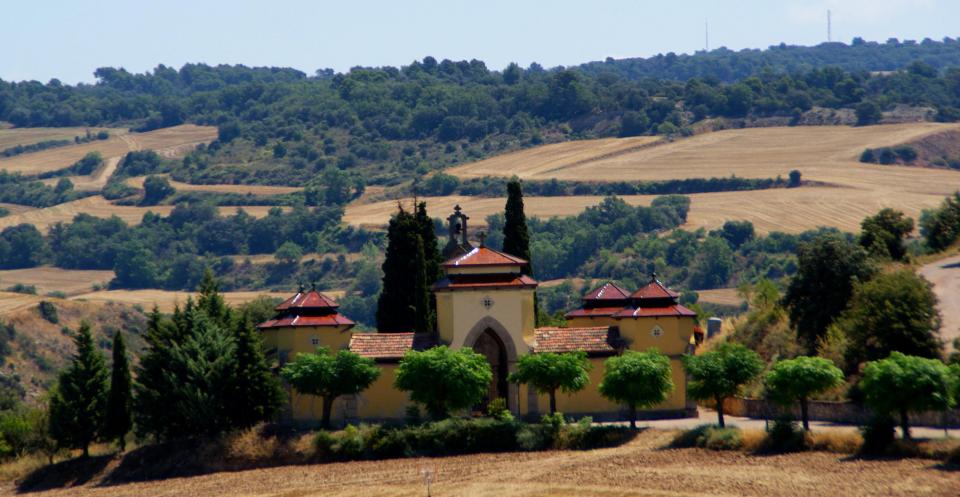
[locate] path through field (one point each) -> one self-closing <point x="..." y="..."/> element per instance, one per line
<point x="945" y="276"/>
<point x="640" y="468"/>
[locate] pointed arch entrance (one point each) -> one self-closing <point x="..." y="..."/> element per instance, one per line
<point x="489" y="338"/>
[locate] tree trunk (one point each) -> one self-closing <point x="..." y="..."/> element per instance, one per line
<point x="86" y="450"/>
<point x="553" y="401"/>
<point x="904" y="424"/>
<point x="633" y="417"/>
<point x="123" y="443"/>
<point x="720" y="412"/>
<point x="327" y="407"/>
<point x="803" y="414"/>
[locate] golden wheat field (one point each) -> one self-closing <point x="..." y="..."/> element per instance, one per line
<point x="11" y="302"/>
<point x="166" y="141"/>
<point x="98" y="206"/>
<point x="722" y="296"/>
<point x="11" y="137"/>
<point x="166" y="300"/>
<point x="53" y="279"/>
<point x="825" y="154"/>
<point x="137" y="182"/>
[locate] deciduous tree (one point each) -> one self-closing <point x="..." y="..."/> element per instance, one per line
<point x="444" y="380"/>
<point x="637" y="379"/>
<point x="901" y="384"/>
<point x="549" y="372"/>
<point x="330" y="376"/>
<point x="796" y="380"/>
<point x="719" y="373"/>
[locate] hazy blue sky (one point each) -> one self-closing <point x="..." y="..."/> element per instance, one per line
<point x="69" y="39"/>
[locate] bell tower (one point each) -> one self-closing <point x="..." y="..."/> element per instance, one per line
<point x="457" y="243"/>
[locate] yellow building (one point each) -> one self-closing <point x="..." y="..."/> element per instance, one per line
<point x="486" y="303"/>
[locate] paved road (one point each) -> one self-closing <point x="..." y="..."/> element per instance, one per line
<point x="945" y="276"/>
<point x="710" y="416"/>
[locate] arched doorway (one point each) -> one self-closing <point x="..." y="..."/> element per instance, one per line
<point x="490" y="345"/>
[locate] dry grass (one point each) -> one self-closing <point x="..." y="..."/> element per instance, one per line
<point x="16" y="208"/>
<point x="53" y="279"/>
<point x="166" y="300"/>
<point x="11" y="302"/>
<point x="945" y="276"/>
<point x="137" y="182"/>
<point x="827" y="154"/>
<point x="100" y="207"/>
<point x="641" y="467"/>
<point x="12" y="137"/>
<point x="840" y="442"/>
<point x="167" y="141"/>
<point x="721" y="296"/>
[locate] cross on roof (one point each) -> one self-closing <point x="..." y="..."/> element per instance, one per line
<point x="483" y="238"/>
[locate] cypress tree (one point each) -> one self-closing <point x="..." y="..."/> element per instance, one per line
<point x="516" y="237"/>
<point x="257" y="394"/>
<point x="119" y="418"/>
<point x="432" y="259"/>
<point x="404" y="299"/>
<point x="78" y="404"/>
<point x="211" y="301"/>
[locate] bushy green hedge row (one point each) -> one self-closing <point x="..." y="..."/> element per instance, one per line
<point x="465" y="436"/>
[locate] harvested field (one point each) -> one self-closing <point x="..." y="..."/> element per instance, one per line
<point x="166" y="141"/>
<point x="53" y="279"/>
<point x="12" y="137"/>
<point x="721" y="296"/>
<point x="137" y="182"/>
<point x="641" y="467"/>
<point x="16" y="208"/>
<point x="12" y="302"/>
<point x="100" y="207"/>
<point x="166" y="300"/>
<point x="790" y="210"/>
<point x="827" y="154"/>
<point x="270" y="259"/>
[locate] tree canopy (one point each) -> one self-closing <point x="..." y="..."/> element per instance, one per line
<point x="901" y="384"/>
<point x="329" y="376"/>
<point x="796" y="380"/>
<point x="444" y="380"/>
<point x="549" y="372"/>
<point x="720" y="373"/>
<point x="79" y="401"/>
<point x="637" y="379"/>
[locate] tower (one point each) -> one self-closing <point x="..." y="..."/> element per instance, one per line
<point x="457" y="243"/>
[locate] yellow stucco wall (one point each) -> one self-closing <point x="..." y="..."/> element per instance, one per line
<point x="293" y="340"/>
<point x="459" y="311"/>
<point x="382" y="400"/>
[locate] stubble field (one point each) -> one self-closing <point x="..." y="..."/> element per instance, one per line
<point x="640" y="468"/>
<point x="825" y="154"/>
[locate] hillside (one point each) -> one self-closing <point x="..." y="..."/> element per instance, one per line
<point x="827" y="155"/>
<point x="729" y="65"/>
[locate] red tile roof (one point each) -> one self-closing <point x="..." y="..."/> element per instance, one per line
<point x="609" y="291"/>
<point x="484" y="256"/>
<point x="308" y="300"/>
<point x="385" y="346"/>
<point x="466" y="281"/>
<point x="594" y="340"/>
<point x="594" y="312"/>
<point x="654" y="290"/>
<point x="288" y="320"/>
<point x="643" y="312"/>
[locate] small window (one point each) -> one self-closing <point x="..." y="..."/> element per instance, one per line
<point x="314" y="341"/>
<point x="656" y="332"/>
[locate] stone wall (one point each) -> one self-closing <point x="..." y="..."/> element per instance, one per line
<point x="834" y="412"/>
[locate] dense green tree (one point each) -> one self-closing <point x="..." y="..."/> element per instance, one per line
<point x="404" y="302"/>
<point x="119" y="417"/>
<point x="796" y="380"/>
<point x="288" y="254"/>
<point x="79" y="401"/>
<point x="330" y="376"/>
<point x="549" y="372"/>
<point x="713" y="264"/>
<point x="637" y="379"/>
<point x="516" y="237"/>
<point x="156" y="189"/>
<point x="941" y="227"/>
<point x="828" y="267"/>
<point x="868" y="112"/>
<point x="211" y="302"/>
<point x="901" y="384"/>
<point x="720" y="373"/>
<point x="444" y="380"/>
<point x="892" y="312"/>
<point x="257" y="394"/>
<point x="736" y="233"/>
<point x="882" y="234"/>
<point x="21" y="246"/>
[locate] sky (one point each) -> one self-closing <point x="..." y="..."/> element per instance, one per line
<point x="68" y="40"/>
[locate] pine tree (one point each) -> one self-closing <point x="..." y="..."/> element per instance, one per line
<point x="119" y="418"/>
<point x="516" y="237"/>
<point x="257" y="393"/>
<point x="211" y="301"/>
<point x="78" y="404"/>
<point x="404" y="299"/>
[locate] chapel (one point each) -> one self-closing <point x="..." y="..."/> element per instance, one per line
<point x="486" y="302"/>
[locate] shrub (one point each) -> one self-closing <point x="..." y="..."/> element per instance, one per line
<point x="784" y="436"/>
<point x="709" y="437"/>
<point x="48" y="311"/>
<point x="868" y="156"/>
<point x="878" y="435"/>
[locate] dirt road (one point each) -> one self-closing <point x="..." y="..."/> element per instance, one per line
<point x="642" y="468"/>
<point x="945" y="276"/>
